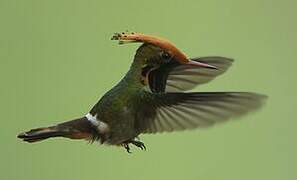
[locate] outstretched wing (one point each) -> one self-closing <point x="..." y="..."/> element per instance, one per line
<point x="173" y="76"/>
<point x="179" y="111"/>
<point x="176" y="77"/>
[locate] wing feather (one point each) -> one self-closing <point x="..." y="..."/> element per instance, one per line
<point x="181" y="111"/>
<point x="176" y="77"/>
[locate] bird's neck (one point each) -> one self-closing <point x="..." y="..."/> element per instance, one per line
<point x="133" y="76"/>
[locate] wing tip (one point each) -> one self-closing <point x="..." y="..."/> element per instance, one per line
<point x="209" y="58"/>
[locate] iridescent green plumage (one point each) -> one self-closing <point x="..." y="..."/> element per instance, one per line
<point x="152" y="98"/>
<point x="132" y="108"/>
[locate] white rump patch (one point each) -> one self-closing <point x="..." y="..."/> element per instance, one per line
<point x="101" y="126"/>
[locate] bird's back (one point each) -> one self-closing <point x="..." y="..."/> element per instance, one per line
<point x="117" y="109"/>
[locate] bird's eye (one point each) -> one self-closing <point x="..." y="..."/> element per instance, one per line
<point x="166" y="56"/>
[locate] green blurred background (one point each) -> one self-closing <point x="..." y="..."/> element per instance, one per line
<point x="57" y="60"/>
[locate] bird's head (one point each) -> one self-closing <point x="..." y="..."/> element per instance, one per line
<point x="167" y="50"/>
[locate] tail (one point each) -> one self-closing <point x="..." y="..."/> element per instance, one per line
<point x="76" y="129"/>
<point x="40" y="134"/>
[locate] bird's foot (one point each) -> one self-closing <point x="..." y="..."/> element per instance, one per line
<point x="138" y="144"/>
<point x="135" y="143"/>
<point x="127" y="147"/>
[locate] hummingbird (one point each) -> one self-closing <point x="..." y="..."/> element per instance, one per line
<point x="153" y="97"/>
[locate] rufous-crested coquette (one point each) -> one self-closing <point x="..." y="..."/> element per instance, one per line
<point x="152" y="98"/>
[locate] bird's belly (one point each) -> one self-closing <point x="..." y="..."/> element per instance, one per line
<point x="119" y="137"/>
<point x="122" y="128"/>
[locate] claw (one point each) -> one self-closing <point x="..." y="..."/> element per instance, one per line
<point x="126" y="146"/>
<point x="144" y="147"/>
<point x="139" y="144"/>
<point x="135" y="143"/>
